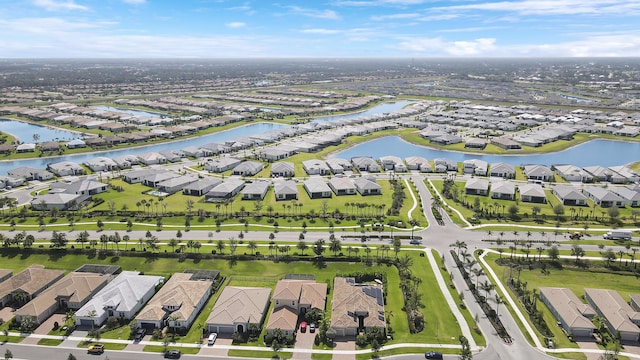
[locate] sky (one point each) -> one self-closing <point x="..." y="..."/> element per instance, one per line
<point x="318" y="28"/>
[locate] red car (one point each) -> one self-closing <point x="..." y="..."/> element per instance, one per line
<point x="303" y="326"/>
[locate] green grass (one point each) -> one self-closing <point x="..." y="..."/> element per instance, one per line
<point x="49" y="342"/>
<point x="12" y="339"/>
<point x="107" y="346"/>
<point x="259" y="354"/>
<point x="402" y="351"/>
<point x="121" y="333"/>
<point x="315" y="356"/>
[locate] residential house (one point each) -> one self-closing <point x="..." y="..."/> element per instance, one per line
<point x="66" y="168"/>
<point x="475" y="143"/>
<point x="225" y="190"/>
<point x="76" y="144"/>
<point x="237" y="308"/>
<point x="201" y="187"/>
<point x="176" y="184"/>
<point x="137" y="176"/>
<point x="338" y="165"/>
<point x="221" y="164"/>
<point x="172" y="155"/>
<point x="573" y="173"/>
<point x="356" y="307"/>
<point x="603" y="197"/>
<point x="476" y="186"/>
<point x="30" y="281"/>
<point x="153" y="178"/>
<point x="70" y="292"/>
<point x="316" y="167"/>
<point x="617" y="314"/>
<point x="285" y="190"/>
<point x="533" y="193"/>
<point x="625" y="173"/>
<point x="475" y="166"/>
<point x="293" y="298"/>
<point x="29" y="173"/>
<point x="177" y="303"/>
<point x="572" y="315"/>
<point x="60" y="201"/>
<point x="101" y="163"/>
<point x="506" y="143"/>
<point x="503" y="190"/>
<point x="600" y="173"/>
<point x="503" y="170"/>
<point x="538" y="172"/>
<point x="631" y="197"/>
<point x="367" y="186"/>
<point x="122" y="298"/>
<point x="393" y="163"/>
<point x="444" y="165"/>
<point x="255" y="190"/>
<point x="282" y="169"/>
<point x="342" y="186"/>
<point x="418" y="163"/>
<point x="248" y="168"/>
<point x="365" y="163"/>
<point x="24" y="148"/>
<point x="569" y="195"/>
<point x="152" y="158"/>
<point x="317" y="188"/>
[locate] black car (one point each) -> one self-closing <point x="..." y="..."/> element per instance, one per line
<point x="140" y="333"/>
<point x="433" y="355"/>
<point x="172" y="354"/>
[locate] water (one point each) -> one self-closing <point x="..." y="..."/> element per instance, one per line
<point x="243" y="131"/>
<point x="595" y="152"/>
<point x="24" y="131"/>
<point x="379" y="109"/>
<point x="130" y="112"/>
<point x="577" y="99"/>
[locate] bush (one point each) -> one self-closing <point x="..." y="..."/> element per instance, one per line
<point x="112" y="323"/>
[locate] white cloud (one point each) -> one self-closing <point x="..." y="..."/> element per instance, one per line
<point x="235" y="25"/>
<point x="314" y="13"/>
<point x="440" y="47"/>
<point x="322" y="31"/>
<point x="552" y="7"/>
<point x="471" y="29"/>
<point x="395" y="16"/>
<point x="52" y="5"/>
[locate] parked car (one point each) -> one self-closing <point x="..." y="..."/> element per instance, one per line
<point x="212" y="338"/>
<point x="312" y="328"/>
<point x="414" y="242"/>
<point x="140" y="333"/>
<point x="433" y="355"/>
<point x="303" y="326"/>
<point x="172" y="354"/>
<point x="96" y="349"/>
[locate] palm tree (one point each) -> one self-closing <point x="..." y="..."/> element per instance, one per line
<point x="252" y="246"/>
<point x="335" y="245"/>
<point x="499" y="301"/>
<point x="302" y="246"/>
<point x="459" y="245"/>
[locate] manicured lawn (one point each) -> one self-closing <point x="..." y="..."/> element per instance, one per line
<point x="404" y="350"/>
<point x="12" y="339"/>
<point x="122" y="333"/>
<point x="161" y="349"/>
<point x="49" y="342"/>
<point x="108" y="346"/>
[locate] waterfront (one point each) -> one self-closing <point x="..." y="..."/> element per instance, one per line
<point x="595" y="152"/>
<point x="219" y="137"/>
<point x="24" y="131"/>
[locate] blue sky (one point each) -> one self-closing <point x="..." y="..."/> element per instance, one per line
<point x="318" y="28"/>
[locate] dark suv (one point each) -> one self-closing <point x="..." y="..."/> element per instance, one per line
<point x="433" y="355"/>
<point x="140" y="333"/>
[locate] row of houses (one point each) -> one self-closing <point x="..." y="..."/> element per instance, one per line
<point x="613" y="196"/>
<point x="576" y="317"/>
<point x="355" y="307"/>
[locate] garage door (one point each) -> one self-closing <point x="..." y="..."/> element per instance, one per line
<point x="86" y="322"/>
<point x="221" y="329"/>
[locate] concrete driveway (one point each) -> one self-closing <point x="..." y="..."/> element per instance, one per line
<point x="304" y="340"/>
<point x="344" y="344"/>
<point x="215" y="349"/>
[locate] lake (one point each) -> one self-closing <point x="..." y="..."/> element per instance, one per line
<point x="24" y="131"/>
<point x="219" y="137"/>
<point x="595" y="152"/>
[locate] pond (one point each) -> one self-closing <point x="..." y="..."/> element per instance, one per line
<point x="595" y="152"/>
<point x="24" y="131"/>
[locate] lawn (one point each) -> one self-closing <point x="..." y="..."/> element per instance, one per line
<point x="259" y="354"/>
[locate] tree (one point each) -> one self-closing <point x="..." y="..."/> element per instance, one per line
<point x="459" y="245"/>
<point x="252" y="246"/>
<point x="513" y="210"/>
<point x="558" y="210"/>
<point x="578" y="252"/>
<point x="8" y="355"/>
<point x="397" y="245"/>
<point x="335" y="245"/>
<point x="609" y="256"/>
<point x="220" y="246"/>
<point x="553" y="253"/>
<point x="100" y="224"/>
<point x="499" y="301"/>
<point x="173" y="243"/>
<point x="318" y="247"/>
<point x="465" y="352"/>
<point x="302" y="246"/>
<point x="58" y="239"/>
<point x="71" y="357"/>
